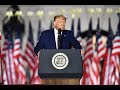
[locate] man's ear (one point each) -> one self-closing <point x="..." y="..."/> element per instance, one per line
<point x="54" y="23"/>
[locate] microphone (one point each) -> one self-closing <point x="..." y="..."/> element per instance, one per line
<point x="59" y="31"/>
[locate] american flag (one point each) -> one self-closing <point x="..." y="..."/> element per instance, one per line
<point x="78" y="36"/>
<point x="72" y="29"/>
<point x="100" y="48"/>
<point x="106" y="63"/>
<point x="87" y="59"/>
<point x="18" y="58"/>
<point x="29" y="51"/>
<point x="1" y="70"/>
<point x="31" y="58"/>
<point x="115" y="59"/>
<point x="9" y="61"/>
<point x="39" y="29"/>
<point x="5" y="45"/>
<point x="36" y="78"/>
<point x="97" y="56"/>
<point x="3" y="57"/>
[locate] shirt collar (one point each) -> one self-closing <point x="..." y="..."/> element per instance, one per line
<point x="56" y="31"/>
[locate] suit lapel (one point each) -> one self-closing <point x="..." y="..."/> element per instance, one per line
<point x="53" y="39"/>
<point x="63" y="34"/>
<point x="64" y="39"/>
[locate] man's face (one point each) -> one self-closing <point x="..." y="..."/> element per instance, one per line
<point x="59" y="23"/>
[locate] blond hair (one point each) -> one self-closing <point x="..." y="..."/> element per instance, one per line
<point x="60" y="16"/>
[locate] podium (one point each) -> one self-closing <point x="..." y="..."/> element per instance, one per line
<point x="60" y="64"/>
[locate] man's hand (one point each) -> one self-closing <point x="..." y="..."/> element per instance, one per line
<point x="82" y="52"/>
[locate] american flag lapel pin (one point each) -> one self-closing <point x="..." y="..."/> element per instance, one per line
<point x="64" y="35"/>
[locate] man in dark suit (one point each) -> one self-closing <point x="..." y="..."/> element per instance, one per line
<point x="49" y="40"/>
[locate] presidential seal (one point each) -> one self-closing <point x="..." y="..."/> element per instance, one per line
<point x="60" y="61"/>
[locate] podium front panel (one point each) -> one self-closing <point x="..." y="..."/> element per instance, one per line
<point x="73" y="68"/>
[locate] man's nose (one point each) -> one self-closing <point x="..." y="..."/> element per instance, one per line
<point x="63" y="24"/>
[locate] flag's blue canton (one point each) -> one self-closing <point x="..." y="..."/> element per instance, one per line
<point x="10" y="39"/>
<point x="6" y="35"/>
<point x="17" y="35"/>
<point x="118" y="29"/>
<point x="30" y="38"/>
<point x="72" y="26"/>
<point x="6" y="29"/>
<point x="98" y="34"/>
<point x="39" y="30"/>
<point x="79" y="29"/>
<point x="110" y="36"/>
<point x="89" y="35"/>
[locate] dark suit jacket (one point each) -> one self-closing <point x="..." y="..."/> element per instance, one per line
<point x="47" y="41"/>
